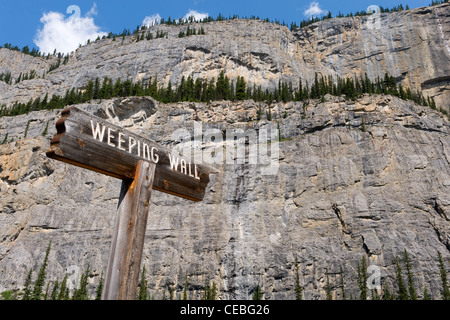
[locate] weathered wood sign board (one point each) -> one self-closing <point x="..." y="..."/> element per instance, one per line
<point x="90" y="142"/>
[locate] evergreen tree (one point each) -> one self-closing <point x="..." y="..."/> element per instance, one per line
<point x="349" y="89"/>
<point x="387" y="295"/>
<point x="27" y="127"/>
<point x="71" y="98"/>
<point x="374" y="295"/>
<point x="47" y="291"/>
<point x="222" y="87"/>
<point x="204" y="96"/>
<point x="96" y="92"/>
<point x="153" y="89"/>
<point x="137" y="89"/>
<point x="328" y="288"/>
<point x="40" y="281"/>
<point x="8" y="78"/>
<point x="127" y="88"/>
<point x="213" y="293"/>
<point x="44" y="103"/>
<point x="315" y="88"/>
<point x="257" y="295"/>
<point x="368" y="84"/>
<point x="211" y="91"/>
<point x="258" y="115"/>
<point x="181" y="90"/>
<point x="185" y="287"/>
<point x="66" y="294"/>
<point x="82" y="292"/>
<point x="402" y="292"/>
<point x="54" y="295"/>
<point x="362" y="279"/>
<point x="298" y="288"/>
<point x="55" y="102"/>
<point x="169" y="95"/>
<point x="443" y="273"/>
<point x="104" y="90"/>
<point x="143" y="293"/>
<point x="240" y="88"/>
<point x="64" y="290"/>
<point x="433" y="104"/>
<point x="117" y="90"/>
<point x="389" y="84"/>
<point x="341" y="273"/>
<point x="206" y="291"/>
<point x="27" y="287"/>
<point x="98" y="295"/>
<point x="210" y="293"/>
<point x="269" y="114"/>
<point x="5" y="139"/>
<point x="401" y="92"/>
<point x="198" y="90"/>
<point x="409" y="95"/>
<point x="411" y="289"/>
<point x="189" y="91"/>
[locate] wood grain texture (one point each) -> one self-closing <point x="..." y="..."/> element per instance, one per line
<point x="122" y="274"/>
<point x="75" y="144"/>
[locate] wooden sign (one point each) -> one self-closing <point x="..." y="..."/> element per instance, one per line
<point x="90" y="142"/>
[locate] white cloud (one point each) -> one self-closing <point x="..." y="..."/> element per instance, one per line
<point x="151" y="20"/>
<point x="197" y="15"/>
<point x="156" y="18"/>
<point x="66" y="34"/>
<point x="314" y="10"/>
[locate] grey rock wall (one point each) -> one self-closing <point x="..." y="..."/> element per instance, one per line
<point x="411" y="45"/>
<point x="367" y="178"/>
<point x="356" y="178"/>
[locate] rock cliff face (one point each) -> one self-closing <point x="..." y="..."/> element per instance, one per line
<point x="356" y="178"/>
<point x="413" y="46"/>
<point x="367" y="178"/>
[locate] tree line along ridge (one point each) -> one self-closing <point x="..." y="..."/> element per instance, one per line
<point x="222" y="88"/>
<point x="204" y="90"/>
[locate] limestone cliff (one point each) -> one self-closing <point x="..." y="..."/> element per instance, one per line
<point x="366" y="178"/>
<point x="411" y="45"/>
<point x="356" y="178"/>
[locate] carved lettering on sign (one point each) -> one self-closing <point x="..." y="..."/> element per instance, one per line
<point x="90" y="142"/>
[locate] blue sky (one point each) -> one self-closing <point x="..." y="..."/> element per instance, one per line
<point x="25" y="22"/>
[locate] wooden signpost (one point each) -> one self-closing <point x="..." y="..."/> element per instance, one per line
<point x="92" y="143"/>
